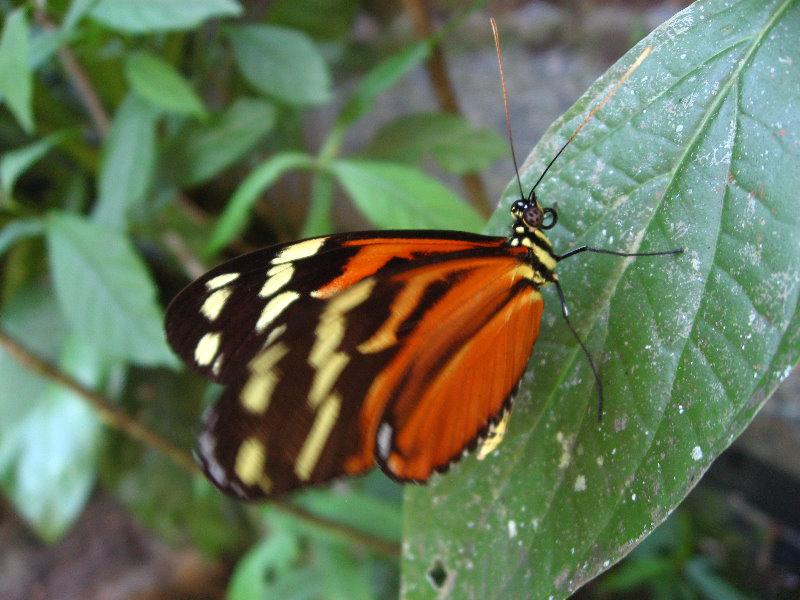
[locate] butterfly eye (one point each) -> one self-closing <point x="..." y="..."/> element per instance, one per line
<point x="533" y="216"/>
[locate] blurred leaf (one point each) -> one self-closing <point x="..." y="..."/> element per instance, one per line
<point x="201" y="152"/>
<point x="165" y="497"/>
<point x="358" y="509"/>
<point x="379" y="79"/>
<point x="17" y="230"/>
<point x="16" y="79"/>
<point x="271" y="558"/>
<point x="281" y="62"/>
<point x="449" y="139"/>
<point x="321" y="19"/>
<point x="698" y="149"/>
<point x="31" y="317"/>
<point x="105" y="291"/>
<point x="234" y="218"/>
<point x="399" y="197"/>
<point x="343" y="576"/>
<point x="304" y="583"/>
<point x="13" y="163"/>
<point x="157" y="82"/>
<point x="128" y="159"/>
<point x="48" y="436"/>
<point x="77" y="10"/>
<point x="710" y="585"/>
<point x="147" y="16"/>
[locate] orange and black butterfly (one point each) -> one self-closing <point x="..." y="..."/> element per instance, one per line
<point x="398" y="348"/>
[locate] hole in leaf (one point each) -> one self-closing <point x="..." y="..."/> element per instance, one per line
<point x="437" y="574"/>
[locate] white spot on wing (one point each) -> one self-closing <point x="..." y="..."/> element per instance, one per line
<point x="215" y="302"/>
<point x="324" y="421"/>
<point x="257" y="392"/>
<point x="384" y="440"/>
<point x="207" y="348"/>
<point x="277" y="277"/>
<point x="274" y="308"/>
<point x="217" y="366"/>
<point x="206" y="445"/>
<point x="250" y="460"/>
<point x="274" y="335"/>
<point x="221" y="280"/>
<point x="326" y="376"/>
<point x="299" y="250"/>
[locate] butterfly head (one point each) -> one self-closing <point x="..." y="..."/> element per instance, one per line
<point x="530" y="215"/>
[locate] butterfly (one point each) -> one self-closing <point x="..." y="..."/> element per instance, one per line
<point x="401" y="349"/>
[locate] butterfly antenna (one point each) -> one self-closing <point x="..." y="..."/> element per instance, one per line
<point x="505" y="102"/>
<point x="622" y="79"/>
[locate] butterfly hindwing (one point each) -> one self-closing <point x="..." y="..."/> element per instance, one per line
<point x="456" y="373"/>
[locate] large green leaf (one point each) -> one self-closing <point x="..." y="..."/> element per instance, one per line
<point x="448" y="138"/>
<point x="395" y="196"/>
<point x="158" y="82"/>
<point x="281" y="62"/>
<point x="700" y="149"/>
<point x="128" y="160"/>
<point x="48" y="436"/>
<point x="14" y="163"/>
<point x="199" y="152"/>
<point x="105" y="291"/>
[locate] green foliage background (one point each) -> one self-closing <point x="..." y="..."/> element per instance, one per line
<point x="142" y="140"/>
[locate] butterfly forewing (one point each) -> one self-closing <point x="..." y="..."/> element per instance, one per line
<point x="342" y="350"/>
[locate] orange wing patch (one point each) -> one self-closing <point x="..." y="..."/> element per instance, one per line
<point x="455" y="371"/>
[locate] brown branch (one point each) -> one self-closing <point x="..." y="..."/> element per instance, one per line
<point x="107" y="412"/>
<point x="419" y="12"/>
<point x="114" y="417"/>
<point x="83" y="86"/>
<point x="79" y="80"/>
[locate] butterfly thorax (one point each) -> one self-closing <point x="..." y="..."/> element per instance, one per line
<point x="530" y="219"/>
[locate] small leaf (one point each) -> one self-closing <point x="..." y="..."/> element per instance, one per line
<point x="105" y="291"/>
<point x="381" y="78"/>
<point x="282" y="63"/>
<point x="16" y="79"/>
<point x="201" y="152"/>
<point x="14" y="163"/>
<point x="156" y="81"/>
<point x="128" y="159"/>
<point x="698" y="149"/>
<point x="234" y="218"/>
<point x="449" y="139"/>
<point x="399" y="197"/>
<point x="146" y="16"/>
